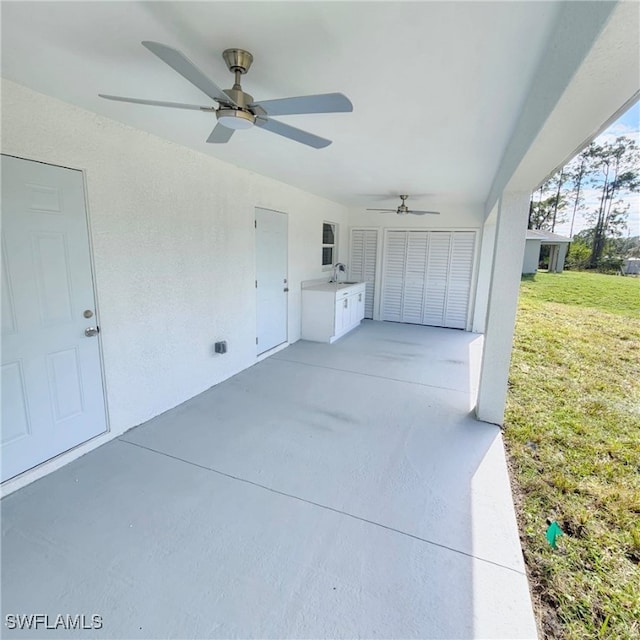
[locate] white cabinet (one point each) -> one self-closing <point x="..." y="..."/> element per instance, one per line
<point x="329" y="310"/>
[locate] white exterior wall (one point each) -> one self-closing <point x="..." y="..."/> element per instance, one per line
<point x="531" y="256"/>
<point x="173" y="245"/>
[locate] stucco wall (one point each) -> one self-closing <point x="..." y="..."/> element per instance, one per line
<point x="531" y="256"/>
<point x="173" y="245"/>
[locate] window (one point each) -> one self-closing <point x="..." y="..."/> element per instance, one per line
<point x="329" y="234"/>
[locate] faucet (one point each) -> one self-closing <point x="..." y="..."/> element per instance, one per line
<point x="339" y="266"/>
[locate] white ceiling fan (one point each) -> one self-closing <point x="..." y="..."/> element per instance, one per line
<point x="237" y="109"/>
<point x="403" y="210"/>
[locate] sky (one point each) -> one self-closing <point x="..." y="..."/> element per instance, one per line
<point x="628" y="124"/>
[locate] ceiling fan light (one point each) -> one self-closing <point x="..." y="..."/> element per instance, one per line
<point x="235" y="118"/>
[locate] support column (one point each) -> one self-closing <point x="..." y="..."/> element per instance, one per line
<point x="511" y="230"/>
<point x="553" y="258"/>
<point x="484" y="272"/>
<point x="562" y="256"/>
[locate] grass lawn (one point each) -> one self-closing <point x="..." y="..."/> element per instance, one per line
<point x="572" y="431"/>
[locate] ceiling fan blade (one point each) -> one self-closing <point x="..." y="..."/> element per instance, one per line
<point x="423" y="213"/>
<point x="220" y="134"/>
<point x="320" y="103"/>
<point x="180" y="63"/>
<point x="158" y="103"/>
<point x="384" y="210"/>
<point x="292" y="133"/>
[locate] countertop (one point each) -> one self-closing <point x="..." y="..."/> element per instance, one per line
<point x="331" y="286"/>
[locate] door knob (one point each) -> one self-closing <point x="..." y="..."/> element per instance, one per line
<point x="91" y="331"/>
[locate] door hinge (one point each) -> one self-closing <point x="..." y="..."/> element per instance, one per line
<point x="256" y="284"/>
<point x="255" y="224"/>
<point x="256" y="340"/>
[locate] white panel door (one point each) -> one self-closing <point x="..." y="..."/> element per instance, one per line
<point x="271" y="279"/>
<point x="362" y="263"/>
<point x="52" y="393"/>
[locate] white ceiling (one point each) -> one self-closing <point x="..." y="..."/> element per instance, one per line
<point x="436" y="86"/>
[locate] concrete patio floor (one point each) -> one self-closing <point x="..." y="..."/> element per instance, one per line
<point x="330" y="491"/>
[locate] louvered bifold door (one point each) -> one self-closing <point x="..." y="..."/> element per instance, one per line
<point x="460" y="273"/>
<point x="362" y="263"/>
<point x="436" y="278"/>
<point x="395" y="251"/>
<point x="414" y="277"/>
<point x="427" y="277"/>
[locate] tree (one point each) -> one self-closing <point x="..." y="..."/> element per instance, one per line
<point x="628" y="247"/>
<point x="614" y="172"/>
<point x="547" y="203"/>
<point x="543" y="214"/>
<point x="611" y="170"/>
<point x="578" y="256"/>
<point x="578" y="172"/>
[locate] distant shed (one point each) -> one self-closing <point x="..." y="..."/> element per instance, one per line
<point x="559" y="245"/>
<point x="631" y="266"/>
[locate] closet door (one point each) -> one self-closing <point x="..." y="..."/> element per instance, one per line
<point x="427" y="277"/>
<point x="362" y="263"/>
<point x="460" y="274"/>
<point x="395" y="252"/>
<point x="437" y="274"/>
<point x="417" y="245"/>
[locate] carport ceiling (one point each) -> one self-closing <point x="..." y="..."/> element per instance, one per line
<point x="436" y="86"/>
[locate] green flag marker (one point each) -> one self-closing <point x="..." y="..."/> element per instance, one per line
<point x="553" y="533"/>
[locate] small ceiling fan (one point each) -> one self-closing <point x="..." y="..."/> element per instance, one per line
<point x="237" y="109"/>
<point x="403" y="210"/>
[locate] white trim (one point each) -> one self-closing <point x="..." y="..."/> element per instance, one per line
<point x="272" y="351"/>
<point x="95" y="297"/>
<point x="255" y="271"/>
<point x="334" y="246"/>
<point x="47" y="467"/>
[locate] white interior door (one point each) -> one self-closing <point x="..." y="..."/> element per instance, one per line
<point x="362" y="263"/>
<point x="52" y="394"/>
<point x="427" y="277"/>
<point x="271" y="279"/>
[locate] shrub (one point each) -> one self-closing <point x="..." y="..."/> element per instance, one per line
<point x="610" y="264"/>
<point x="578" y="256"/>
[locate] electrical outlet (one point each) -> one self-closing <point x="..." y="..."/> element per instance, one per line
<point x="221" y="347"/>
